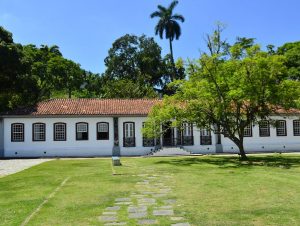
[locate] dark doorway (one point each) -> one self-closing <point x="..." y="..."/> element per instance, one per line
<point x="168" y="134"/>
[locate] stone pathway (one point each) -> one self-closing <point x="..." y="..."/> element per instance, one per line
<point x="150" y="204"/>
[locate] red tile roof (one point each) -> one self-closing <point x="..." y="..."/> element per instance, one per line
<point x="89" y="107"/>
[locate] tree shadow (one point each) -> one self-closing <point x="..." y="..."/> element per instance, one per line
<point x="276" y="160"/>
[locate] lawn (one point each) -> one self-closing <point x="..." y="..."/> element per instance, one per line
<point x="209" y="190"/>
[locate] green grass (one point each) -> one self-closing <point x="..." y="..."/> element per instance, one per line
<point x="210" y="190"/>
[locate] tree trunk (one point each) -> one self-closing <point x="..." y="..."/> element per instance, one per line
<point x="242" y="152"/>
<point x="70" y="93"/>
<point x="172" y="59"/>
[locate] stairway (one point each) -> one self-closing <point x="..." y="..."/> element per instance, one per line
<point x="170" y="151"/>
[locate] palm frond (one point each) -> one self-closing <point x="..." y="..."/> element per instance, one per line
<point x="178" y="17"/>
<point x="173" y="5"/>
<point x="156" y="14"/>
<point x="176" y="29"/>
<point x="162" y="8"/>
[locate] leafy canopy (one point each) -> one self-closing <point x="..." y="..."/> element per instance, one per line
<point x="227" y="94"/>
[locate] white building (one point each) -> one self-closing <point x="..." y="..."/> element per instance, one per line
<point x="105" y="127"/>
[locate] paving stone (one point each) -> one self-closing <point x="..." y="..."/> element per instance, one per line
<point x="170" y="201"/>
<point x="137" y="215"/>
<point x="108" y="218"/>
<point x="136" y="209"/>
<point x="148" y="192"/>
<point x="116" y="223"/>
<point x="113" y="208"/>
<point x="109" y="213"/>
<point x="147" y="221"/>
<point x="123" y="199"/>
<point x="159" y="195"/>
<point x="163" y="212"/>
<point x="123" y="203"/>
<point x="176" y="218"/>
<point x="181" y="224"/>
<point x="147" y="201"/>
<point x="165" y="207"/>
<point x="138" y="196"/>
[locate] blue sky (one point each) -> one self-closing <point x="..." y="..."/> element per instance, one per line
<point x="85" y="29"/>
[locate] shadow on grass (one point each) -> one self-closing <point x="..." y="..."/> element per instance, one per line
<point x="275" y="160"/>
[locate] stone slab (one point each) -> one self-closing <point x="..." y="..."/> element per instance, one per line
<point x="181" y="224"/>
<point x="176" y="218"/>
<point x="170" y="201"/>
<point x="136" y="209"/>
<point x="147" y="201"/>
<point x="137" y="215"/>
<point x="163" y="212"/>
<point x="109" y="213"/>
<point x="123" y="203"/>
<point x="147" y="222"/>
<point x="108" y="218"/>
<point x="110" y="208"/>
<point x="116" y="223"/>
<point x="123" y="199"/>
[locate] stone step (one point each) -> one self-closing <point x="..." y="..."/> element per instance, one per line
<point x="170" y="152"/>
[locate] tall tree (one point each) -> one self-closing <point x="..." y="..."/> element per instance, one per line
<point x="138" y="59"/>
<point x="230" y="93"/>
<point x="67" y="75"/>
<point x="168" y="24"/>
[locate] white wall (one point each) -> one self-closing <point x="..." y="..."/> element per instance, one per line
<point x="94" y="147"/>
<point x="273" y="143"/>
<point x="70" y="147"/>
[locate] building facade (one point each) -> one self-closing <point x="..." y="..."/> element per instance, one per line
<point x="106" y="127"/>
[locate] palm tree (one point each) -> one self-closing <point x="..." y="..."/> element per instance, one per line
<point x="168" y="24"/>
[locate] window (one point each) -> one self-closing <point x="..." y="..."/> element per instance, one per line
<point x="38" y="131"/>
<point x="187" y="134"/>
<point x="281" y="128"/>
<point x="187" y="129"/>
<point x="102" y="131"/>
<point x="129" y="136"/>
<point x="82" y="131"/>
<point x="205" y="137"/>
<point x="248" y="130"/>
<point x="60" y="132"/>
<point x="296" y="127"/>
<point x="17" y="132"/>
<point x="264" y="128"/>
<point x="147" y="142"/>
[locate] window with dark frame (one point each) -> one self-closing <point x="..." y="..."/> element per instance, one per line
<point x="39" y="132"/>
<point x="296" y="127"/>
<point x="128" y="134"/>
<point x="17" y="132"/>
<point x="264" y="128"/>
<point x="59" y="131"/>
<point x="102" y="131"/>
<point x="248" y="130"/>
<point x="281" y="128"/>
<point x="82" y="131"/>
<point x="187" y="134"/>
<point x="205" y="137"/>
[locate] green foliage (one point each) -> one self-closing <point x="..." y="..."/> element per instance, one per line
<point x="137" y="60"/>
<point x="29" y="74"/>
<point x="127" y="88"/>
<point x="292" y="53"/>
<point x="168" y="25"/>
